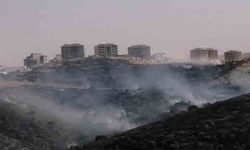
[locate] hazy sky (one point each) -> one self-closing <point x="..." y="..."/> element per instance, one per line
<point x="170" y="26"/>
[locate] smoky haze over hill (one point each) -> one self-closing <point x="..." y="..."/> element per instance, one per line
<point x="117" y="97"/>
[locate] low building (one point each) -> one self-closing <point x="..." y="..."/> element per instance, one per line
<point x="139" y="51"/>
<point x="57" y="59"/>
<point x="204" y="54"/>
<point x="160" y="58"/>
<point x="246" y="55"/>
<point x="233" y="56"/>
<point x="106" y="50"/>
<point x="35" y="60"/>
<point x="72" y="52"/>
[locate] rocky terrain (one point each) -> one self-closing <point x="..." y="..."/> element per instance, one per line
<point x="221" y="126"/>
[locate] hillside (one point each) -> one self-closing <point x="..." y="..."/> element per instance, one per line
<point x="105" y="98"/>
<point x="221" y="126"/>
<point x="21" y="129"/>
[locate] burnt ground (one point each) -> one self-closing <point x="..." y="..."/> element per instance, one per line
<point x="221" y="126"/>
<point x="20" y="129"/>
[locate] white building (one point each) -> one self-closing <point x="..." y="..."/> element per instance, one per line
<point x="35" y="60"/>
<point x="200" y="54"/>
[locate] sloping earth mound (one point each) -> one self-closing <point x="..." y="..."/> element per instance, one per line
<point x="220" y="126"/>
<point x="21" y="130"/>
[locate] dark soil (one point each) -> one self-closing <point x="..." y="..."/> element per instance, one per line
<point x="220" y="126"/>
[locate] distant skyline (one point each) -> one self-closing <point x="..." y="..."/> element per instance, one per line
<point x="170" y="26"/>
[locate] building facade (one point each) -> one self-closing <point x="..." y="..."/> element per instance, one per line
<point x="106" y="50"/>
<point x="201" y="53"/>
<point x="139" y="51"/>
<point x="35" y="60"/>
<point x="72" y="52"/>
<point x="233" y="56"/>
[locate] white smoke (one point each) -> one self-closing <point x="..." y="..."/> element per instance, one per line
<point x="91" y="122"/>
<point x="98" y="117"/>
<point x="240" y="79"/>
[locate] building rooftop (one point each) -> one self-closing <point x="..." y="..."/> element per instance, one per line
<point x="233" y="51"/>
<point x="141" y="45"/>
<point x="106" y="44"/>
<point x="204" y="49"/>
<point x="70" y="45"/>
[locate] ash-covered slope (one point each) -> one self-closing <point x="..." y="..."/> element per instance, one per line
<point x="220" y="126"/>
<point x="104" y="98"/>
<point x="21" y="130"/>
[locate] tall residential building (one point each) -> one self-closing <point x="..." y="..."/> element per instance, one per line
<point x="139" y="51"/>
<point x="201" y="53"/>
<point x="72" y="52"/>
<point x="233" y="56"/>
<point x="35" y="60"/>
<point x="106" y="50"/>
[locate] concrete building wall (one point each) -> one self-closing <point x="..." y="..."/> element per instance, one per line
<point x="233" y="56"/>
<point x="139" y="51"/>
<point x="106" y="50"/>
<point x="35" y="60"/>
<point x="72" y="52"/>
<point x="200" y="53"/>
